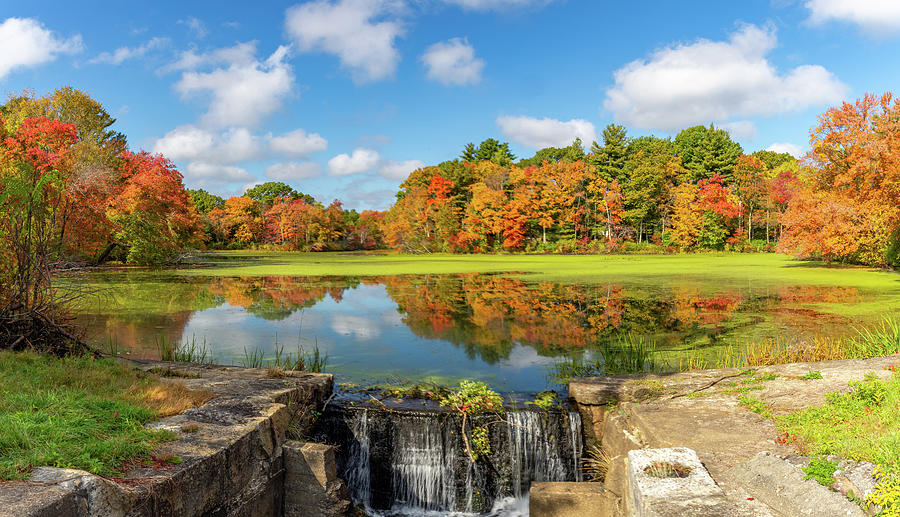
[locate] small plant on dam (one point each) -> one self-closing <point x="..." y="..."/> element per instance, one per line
<point x="474" y="398"/>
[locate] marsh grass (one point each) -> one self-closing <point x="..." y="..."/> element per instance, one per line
<point x="184" y="352"/>
<point x="79" y="412"/>
<point x="627" y="354"/>
<point x="278" y="364"/>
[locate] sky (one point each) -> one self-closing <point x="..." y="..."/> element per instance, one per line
<point x="343" y="98"/>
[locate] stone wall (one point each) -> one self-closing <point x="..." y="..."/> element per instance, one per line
<point x="232" y="450"/>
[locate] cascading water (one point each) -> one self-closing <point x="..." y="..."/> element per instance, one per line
<point x="413" y="462"/>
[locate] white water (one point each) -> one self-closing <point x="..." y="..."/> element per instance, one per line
<point x="425" y="457"/>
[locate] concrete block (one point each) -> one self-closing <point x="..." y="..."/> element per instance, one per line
<point x="673" y="482"/>
<point x="571" y="500"/>
<point x="311" y="485"/>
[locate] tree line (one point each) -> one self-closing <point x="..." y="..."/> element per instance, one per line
<point x="100" y="201"/>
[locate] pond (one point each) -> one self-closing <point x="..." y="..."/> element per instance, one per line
<point x="507" y="329"/>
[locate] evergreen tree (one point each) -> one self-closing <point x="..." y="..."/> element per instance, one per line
<point x="609" y="160"/>
<point x="706" y="151"/>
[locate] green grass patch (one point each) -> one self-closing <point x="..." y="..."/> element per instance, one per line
<point x="813" y="375"/>
<point x="821" y="469"/>
<point x="862" y="425"/>
<point x="754" y="404"/>
<point x="78" y="413"/>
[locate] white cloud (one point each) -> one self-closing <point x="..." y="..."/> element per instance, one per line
<point x="25" y="42"/>
<point x="196" y="26"/>
<point x="785" y="147"/>
<point x="546" y="132"/>
<point x="243" y="93"/>
<point x="297" y="143"/>
<point x="122" y="54"/>
<point x="215" y="175"/>
<point x="399" y="170"/>
<point x="715" y="81"/>
<point x="452" y="62"/>
<point x="361" y="160"/>
<point x="189" y="142"/>
<point x="360" y="33"/>
<point x="496" y="5"/>
<point x="741" y="129"/>
<point x="243" y="54"/>
<point x="876" y="15"/>
<point x="185" y="143"/>
<point x="287" y="171"/>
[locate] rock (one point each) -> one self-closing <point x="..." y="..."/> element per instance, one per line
<point x="311" y="485"/>
<point x="570" y="500"/>
<point x="856" y="480"/>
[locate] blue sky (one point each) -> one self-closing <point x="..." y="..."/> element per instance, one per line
<point x="343" y="98"/>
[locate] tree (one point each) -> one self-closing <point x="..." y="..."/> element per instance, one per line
<point x="204" y="201"/>
<point x="572" y="153"/>
<point x="774" y="159"/>
<point x="154" y="216"/>
<point x="651" y="171"/>
<point x="751" y="180"/>
<point x="706" y="151"/>
<point x="609" y="159"/>
<point x="686" y="217"/>
<point x="853" y="185"/>
<point x="489" y="150"/>
<point x="266" y="193"/>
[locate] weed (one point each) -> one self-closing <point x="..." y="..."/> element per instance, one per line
<point x="545" y="400"/>
<point x="754" y="404"/>
<point x="595" y="463"/>
<point x="659" y="469"/>
<point x="821" y="469"/>
<point x="474" y="398"/>
<point x="184" y="352"/>
<point x="812" y="376"/>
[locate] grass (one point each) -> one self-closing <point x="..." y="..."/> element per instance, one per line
<point x="184" y="352"/>
<point x="282" y="362"/>
<point x="81" y="413"/>
<point x="862" y="425"/>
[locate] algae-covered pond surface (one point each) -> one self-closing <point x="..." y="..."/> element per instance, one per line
<point x="502" y="319"/>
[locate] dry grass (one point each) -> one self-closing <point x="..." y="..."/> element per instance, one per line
<point x="170" y="397"/>
<point x="595" y="463"/>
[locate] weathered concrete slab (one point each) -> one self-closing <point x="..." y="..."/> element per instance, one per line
<point x="557" y="499"/>
<point x="780" y="485"/>
<point x="231" y="450"/>
<point x="700" y="410"/>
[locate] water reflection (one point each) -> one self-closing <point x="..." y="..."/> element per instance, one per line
<point x="499" y="328"/>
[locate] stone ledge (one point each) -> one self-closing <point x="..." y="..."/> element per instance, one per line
<point x="232" y="464"/>
<point x="562" y="499"/>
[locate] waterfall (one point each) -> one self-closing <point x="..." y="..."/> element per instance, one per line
<point x="413" y="462"/>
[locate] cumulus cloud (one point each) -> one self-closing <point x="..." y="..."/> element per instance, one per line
<point x="189" y="142"/>
<point x="122" y="54"/>
<point x="361" y="160"/>
<point x="538" y="133"/>
<point x="245" y="91"/>
<point x="215" y="176"/>
<point x="741" y="129"/>
<point x="876" y="15"/>
<point x="26" y="42"/>
<point x="361" y="33"/>
<point x="297" y="143"/>
<point x="785" y="147"/>
<point x="399" y="170"/>
<point x="452" y="62"/>
<point x="496" y="5"/>
<point x="715" y="81"/>
<point x="286" y="171"/>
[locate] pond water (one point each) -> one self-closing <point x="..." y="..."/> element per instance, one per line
<point x="504" y="329"/>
